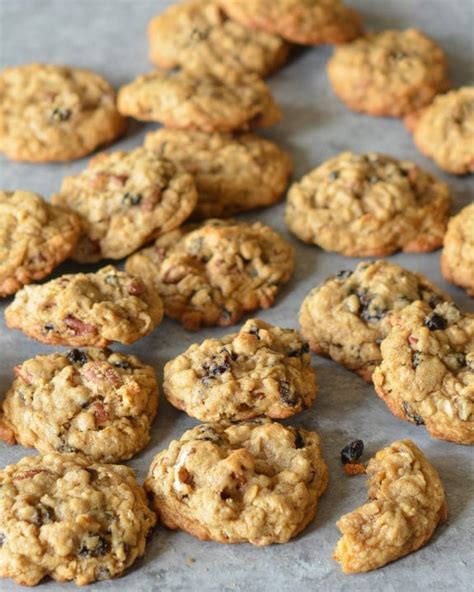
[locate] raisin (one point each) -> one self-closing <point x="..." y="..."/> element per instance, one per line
<point x="296" y="353"/>
<point x="66" y="448"/>
<point x="215" y="367"/>
<point x="99" y="549"/>
<point x="209" y="435"/>
<point x="43" y="515"/>
<point x="333" y="175"/>
<point x="59" y="114"/>
<point x="132" y="199"/>
<point x="416" y="358"/>
<point x="232" y="354"/>
<point x="48" y="327"/>
<point x="2" y="539"/>
<point x="352" y="452"/>
<point x="123" y="364"/>
<point x="76" y="356"/>
<point x="416" y="419"/>
<point x="299" y="440"/>
<point x="344" y="274"/>
<point x="285" y="393"/>
<point x="435" y="322"/>
<point x="374" y="314"/>
<point x="254" y="330"/>
<point x="434" y="301"/>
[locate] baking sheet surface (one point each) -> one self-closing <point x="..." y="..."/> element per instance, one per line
<point x="109" y="36"/>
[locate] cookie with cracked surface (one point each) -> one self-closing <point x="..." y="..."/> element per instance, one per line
<point x="444" y="131"/>
<point x="391" y="73"/>
<point x="216" y="273"/>
<point x="55" y="113"/>
<point x="369" y="205"/>
<point x="35" y="237"/>
<point x="233" y="172"/>
<point x="261" y="370"/>
<point x="92" y="401"/>
<point x="90" y="309"/>
<point x="457" y="258"/>
<point x="124" y="200"/>
<point x="66" y="517"/>
<point x="407" y="502"/>
<point x="347" y="316"/>
<point x="256" y="482"/>
<point x="184" y="100"/>
<point x="427" y="371"/>
<point x="198" y="37"/>
<point x="298" y="21"/>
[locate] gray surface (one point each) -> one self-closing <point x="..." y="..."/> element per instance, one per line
<point x="108" y="36"/>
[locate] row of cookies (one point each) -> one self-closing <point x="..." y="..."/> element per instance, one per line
<point x="256" y="482"/>
<point x="262" y="480"/>
<point x="221" y="55"/>
<point x="358" y="205"/>
<point x="401" y="74"/>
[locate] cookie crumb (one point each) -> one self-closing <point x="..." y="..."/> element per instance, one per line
<point x="354" y="469"/>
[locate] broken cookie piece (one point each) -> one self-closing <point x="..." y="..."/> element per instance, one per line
<point x="407" y="502"/>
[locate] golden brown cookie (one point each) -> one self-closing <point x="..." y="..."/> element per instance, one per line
<point x="216" y="273"/>
<point x="406" y="504"/>
<point x="366" y="205"/>
<point x="299" y="21"/>
<point x="35" y="237"/>
<point x="50" y="113"/>
<point x="444" y="131"/>
<point x="233" y="172"/>
<point x="347" y="316"/>
<point x="457" y="258"/>
<point x="389" y="73"/>
<point x="90" y="309"/>
<point x="66" y="517"/>
<point x="187" y="101"/>
<point x="261" y="370"/>
<point x="124" y="200"/>
<point x="91" y="401"/>
<point x="256" y="482"/>
<point x="196" y="36"/>
<point x="427" y="371"/>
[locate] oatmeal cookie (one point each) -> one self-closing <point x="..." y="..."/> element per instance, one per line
<point x="187" y="101"/>
<point x="91" y="401"/>
<point x="214" y="274"/>
<point x="406" y="504"/>
<point x="457" y="259"/>
<point x="427" y="371"/>
<point x="90" y="309"/>
<point x="299" y="21"/>
<point x="444" y="131"/>
<point x="68" y="518"/>
<point x="261" y="370"/>
<point x="389" y="73"/>
<point x="233" y="172"/>
<point x="124" y="200"/>
<point x="198" y="37"/>
<point x="54" y="113"/>
<point x="369" y="205"/>
<point x="35" y="237"/>
<point x="348" y="316"/>
<point x="256" y="482"/>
